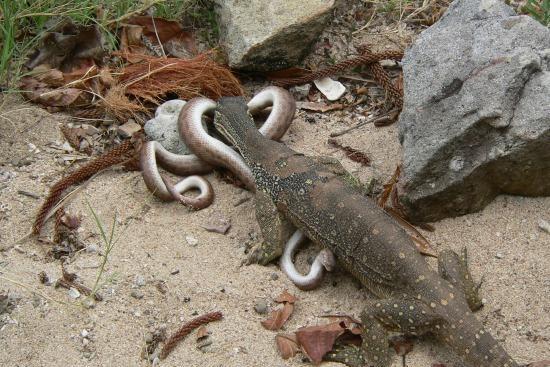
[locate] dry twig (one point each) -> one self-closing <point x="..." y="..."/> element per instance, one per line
<point x="185" y="329"/>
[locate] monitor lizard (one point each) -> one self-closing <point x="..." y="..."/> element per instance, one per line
<point x="316" y="195"/>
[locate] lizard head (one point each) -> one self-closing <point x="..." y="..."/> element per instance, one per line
<point x="233" y="120"/>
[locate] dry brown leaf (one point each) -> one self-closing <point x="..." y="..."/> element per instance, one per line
<point x="316" y="341"/>
<point x="388" y="187"/>
<point x="319" y="107"/>
<point x="421" y="243"/>
<point x="67" y="46"/>
<point x="166" y="30"/>
<point x="285" y="297"/>
<point x="278" y="317"/>
<point x="287" y="345"/>
<point x="40" y="92"/>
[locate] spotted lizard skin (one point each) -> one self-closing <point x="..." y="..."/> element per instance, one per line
<point x="314" y="195"/>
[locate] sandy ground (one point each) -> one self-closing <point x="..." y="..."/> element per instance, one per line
<point x="505" y="245"/>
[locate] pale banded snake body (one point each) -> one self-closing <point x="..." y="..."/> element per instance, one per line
<point x="211" y="152"/>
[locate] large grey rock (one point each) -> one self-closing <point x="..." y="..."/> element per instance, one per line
<point x="476" y="118"/>
<point x="264" y="35"/>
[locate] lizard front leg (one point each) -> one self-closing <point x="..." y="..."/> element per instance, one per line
<point x="454" y="268"/>
<point x="276" y="229"/>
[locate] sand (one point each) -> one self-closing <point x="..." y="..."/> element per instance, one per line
<point x="47" y="327"/>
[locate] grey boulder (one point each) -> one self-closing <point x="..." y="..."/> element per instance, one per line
<point x="263" y="35"/>
<point x="476" y="117"/>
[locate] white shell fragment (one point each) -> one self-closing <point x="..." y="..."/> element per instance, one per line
<point x="332" y="89"/>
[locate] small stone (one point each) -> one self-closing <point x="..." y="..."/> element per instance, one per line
<point x="84" y="333"/>
<point x="261" y="307"/>
<point x="85" y="341"/>
<point x="128" y="129"/>
<point x="90" y="130"/>
<point x="136" y="294"/>
<point x="148" y="337"/>
<point x="84" y="145"/>
<point x="67" y="147"/>
<point x="92" y="248"/>
<point x="36" y="301"/>
<point x="74" y="293"/>
<point x="191" y="241"/>
<point x="139" y="280"/>
<point x="274" y="276"/>
<point x="88" y="303"/>
<point x="175" y="272"/>
<point x="300" y="91"/>
<point x="499" y="255"/>
<point x="544" y="225"/>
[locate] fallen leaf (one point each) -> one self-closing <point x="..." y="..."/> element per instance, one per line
<point x="67" y="46"/>
<point x="287" y="345"/>
<point x="278" y="317"/>
<point x="285" y="297"/>
<point x="167" y="30"/>
<point x="319" y="107"/>
<point x="316" y="341"/>
<point x="40" y="92"/>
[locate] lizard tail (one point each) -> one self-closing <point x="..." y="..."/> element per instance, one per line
<point x="476" y="346"/>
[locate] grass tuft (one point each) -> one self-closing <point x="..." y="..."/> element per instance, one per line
<point x="109" y="242"/>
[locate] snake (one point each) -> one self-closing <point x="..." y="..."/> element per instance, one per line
<point x="210" y="152"/>
<point x="323" y="261"/>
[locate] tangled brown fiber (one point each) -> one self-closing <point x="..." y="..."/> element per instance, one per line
<point x="366" y="58"/>
<point x="186" y="329"/>
<point x="124" y="152"/>
<point x="154" y="77"/>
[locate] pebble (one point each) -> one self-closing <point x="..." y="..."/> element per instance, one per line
<point x="544" y="225"/>
<point x="274" y="276"/>
<point x="191" y="241"/>
<point x="136" y="294"/>
<point x="92" y="248"/>
<point x="128" y="129"/>
<point x="261" y="307"/>
<point x="499" y="255"/>
<point x="88" y="303"/>
<point x="300" y="91"/>
<point x="85" y="341"/>
<point x="139" y="280"/>
<point x="84" y="333"/>
<point x="74" y="293"/>
<point x="148" y="338"/>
